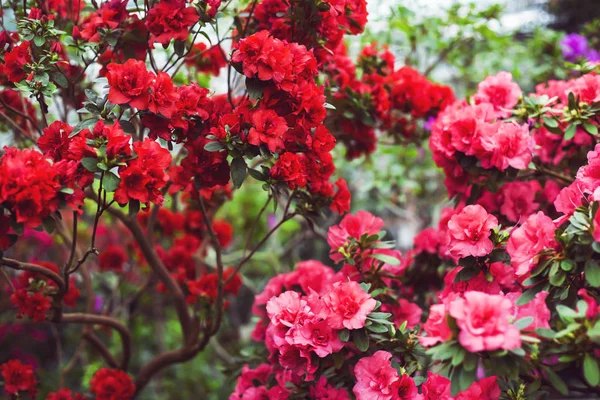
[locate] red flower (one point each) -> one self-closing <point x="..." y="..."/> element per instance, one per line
<point x="112" y="384"/>
<point x="208" y="61"/>
<point x="54" y="143"/>
<point x="18" y="378"/>
<point x="163" y="95"/>
<point x="143" y="178"/>
<point x="33" y="305"/>
<point x="15" y="60"/>
<point x="224" y="232"/>
<point x="290" y="168"/>
<point x="268" y="129"/>
<point x="170" y="19"/>
<point x="28" y="186"/>
<point x="129" y="83"/>
<point x="112" y="258"/>
<point x="341" y="201"/>
<point x="117" y="145"/>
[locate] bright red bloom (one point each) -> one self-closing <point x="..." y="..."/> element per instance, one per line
<point x="170" y="19"/>
<point x="437" y="387"/>
<point x="163" y="95"/>
<point x="224" y="232"/>
<point x="209" y="60"/>
<point x="15" y="60"/>
<point x="484" y="389"/>
<point x="18" y="377"/>
<point x="33" y="305"/>
<point x="112" y="384"/>
<point x="268" y="129"/>
<point x="341" y="201"/>
<point x="290" y="168"/>
<point x="112" y="258"/>
<point x="143" y="178"/>
<point x="28" y="186"/>
<point x="129" y="83"/>
<point x="54" y="143"/>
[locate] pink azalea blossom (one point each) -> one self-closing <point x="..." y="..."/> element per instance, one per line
<point x="483" y="320"/>
<point x="349" y="305"/>
<point x="526" y="241"/>
<point x="352" y="226"/>
<point x="469" y="232"/>
<point x="510" y="145"/>
<point x="375" y="378"/>
<point x="436" y="327"/>
<point x="536" y="308"/>
<point x="484" y="389"/>
<point x="500" y="91"/>
<point x="436" y="387"/>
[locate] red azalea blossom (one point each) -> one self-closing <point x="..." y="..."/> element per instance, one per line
<point x="112" y="384"/>
<point x="18" y="377"/>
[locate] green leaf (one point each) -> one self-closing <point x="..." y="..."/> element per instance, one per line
<point x="85" y="124"/>
<point x="39" y="41"/>
<point x="255" y="88"/>
<point x="591" y="372"/>
<point x="344" y="335"/>
<point x="524" y="322"/>
<point x="59" y="79"/>
<point x="90" y="163"/>
<point x="545" y="333"/>
<point x="550" y="122"/>
<point x="590" y="128"/>
<point x="466" y="273"/>
<point x="386" y="259"/>
<point x="556" y="381"/>
<point x="256" y="174"/>
<point x="592" y="273"/>
<point x="110" y="183"/>
<point x="377" y="328"/>
<point x="134" y="207"/>
<point x="570" y="132"/>
<point x="127" y="126"/>
<point x="67" y="190"/>
<point x="379" y="315"/>
<point x="213" y="146"/>
<point x="238" y="171"/>
<point x="530" y="293"/>
<point x="49" y="224"/>
<point x="361" y="339"/>
<point x="471" y="361"/>
<point x="179" y="47"/>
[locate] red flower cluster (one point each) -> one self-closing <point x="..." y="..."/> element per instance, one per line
<point x="34" y="305"/>
<point x="18" y="378"/>
<point x="170" y="19"/>
<point x="208" y="60"/>
<point x="329" y="20"/>
<point x="65" y="394"/>
<point x="112" y="384"/>
<point x="29" y="186"/>
<point x="392" y="100"/>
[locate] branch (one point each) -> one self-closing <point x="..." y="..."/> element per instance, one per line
<point x="23" y="266"/>
<point x="94" y="319"/>
<point x="102" y="349"/>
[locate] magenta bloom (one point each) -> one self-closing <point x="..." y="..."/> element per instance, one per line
<point x="436" y="326"/>
<point x="525" y="242"/>
<point x="352" y="226"/>
<point x="510" y="145"/>
<point x="469" y="232"/>
<point x="483" y="320"/>
<point x="375" y="378"/>
<point x="349" y="305"/>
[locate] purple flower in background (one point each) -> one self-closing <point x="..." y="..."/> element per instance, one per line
<point x="593" y="56"/>
<point x="574" y="46"/>
<point x="98" y="303"/>
<point x="271" y="221"/>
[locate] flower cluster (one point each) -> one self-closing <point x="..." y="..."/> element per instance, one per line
<point x="394" y="100"/>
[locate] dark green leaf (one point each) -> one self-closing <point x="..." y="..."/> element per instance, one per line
<point x="110" y="183"/>
<point x="90" y="163"/>
<point x="556" y="381"/>
<point x="530" y="293"/>
<point x="466" y="273"/>
<point x="238" y="171"/>
<point x="570" y="132"/>
<point x="213" y="146"/>
<point x="344" y="335"/>
<point x="49" y="224"/>
<point x="255" y="88"/>
<point x="361" y="339"/>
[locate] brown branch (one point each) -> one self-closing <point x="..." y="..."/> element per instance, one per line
<point x="159" y="269"/>
<point x="93" y="319"/>
<point x="23" y="266"/>
<point x="102" y="349"/>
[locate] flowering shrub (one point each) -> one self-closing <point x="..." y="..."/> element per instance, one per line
<point x="121" y="159"/>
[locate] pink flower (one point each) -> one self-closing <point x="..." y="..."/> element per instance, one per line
<point x="349" y="305"/>
<point x="436" y="326"/>
<point x="500" y="91"/>
<point x="428" y="240"/>
<point x="318" y="336"/>
<point x="526" y="241"/>
<point x="407" y="389"/>
<point x="485" y="389"/>
<point x="375" y="378"/>
<point x="404" y="311"/>
<point x="297" y="360"/>
<point x="323" y="391"/>
<point x="519" y="200"/>
<point x="352" y="226"/>
<point x="469" y="232"/>
<point x="483" y="320"/>
<point x="536" y="308"/>
<point x="568" y="199"/>
<point x="510" y="145"/>
<point x="437" y="387"/>
<point x="478" y="283"/>
<point x="284" y="309"/>
<point x="596" y="224"/>
<point x="593" y="309"/>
